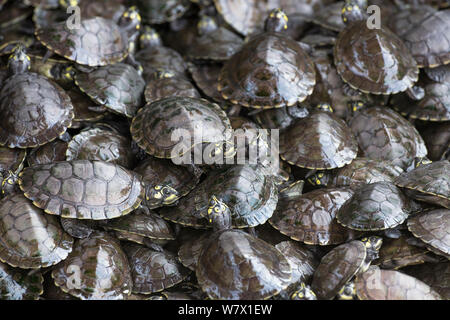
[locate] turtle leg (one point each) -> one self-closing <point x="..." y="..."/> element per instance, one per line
<point x="65" y="137"/>
<point x="47" y="55"/>
<point x="135" y="64"/>
<point x="416" y="93"/>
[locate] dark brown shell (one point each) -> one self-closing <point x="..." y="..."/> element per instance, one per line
<point x="16" y="284"/>
<point x="378" y="284"/>
<point x="97" y="269"/>
<point x="30" y="239"/>
<point x="235" y="265"/>
<point x="82" y="189"/>
<point x="310" y="218"/>
<point x="161" y="11"/>
<point x="35" y="111"/>
<point x="206" y="78"/>
<point x="160" y="58"/>
<point x="11" y="159"/>
<point x="337" y="267"/>
<point x="81" y="103"/>
<point x="48" y="153"/>
<point x="374" y="60"/>
<point x="437" y="139"/>
<point x="79" y="229"/>
<point x="254" y="79"/>
<point x="281" y="118"/>
<point x="319" y="141"/>
<point x="169" y="87"/>
<point x="190" y="250"/>
<point x="436" y="275"/>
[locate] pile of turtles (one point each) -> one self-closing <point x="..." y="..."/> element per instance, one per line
<point x="104" y="113"/>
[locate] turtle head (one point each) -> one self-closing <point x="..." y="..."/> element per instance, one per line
<point x="219" y="214"/>
<point x="421" y="161"/>
<point x="277" y="21"/>
<point x="67" y="73"/>
<point x="163" y="74"/>
<point x="373" y="245"/>
<point x="352" y="11"/>
<point x="303" y="292"/>
<point x="68" y="3"/>
<point x="19" y="61"/>
<point x="149" y="38"/>
<point x="130" y="20"/>
<point x="206" y="24"/>
<point x="324" y="107"/>
<point x="9" y="183"/>
<point x="356" y="106"/>
<point x="348" y="292"/>
<point x="319" y="179"/>
<point x="161" y="194"/>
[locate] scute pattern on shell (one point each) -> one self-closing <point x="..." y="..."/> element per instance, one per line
<point x="162" y="58"/>
<point x="169" y="87"/>
<point x="82" y="189"/>
<point x="161" y="11"/>
<point x="18" y="285"/>
<point x="436" y="275"/>
<point x="48" y="153"/>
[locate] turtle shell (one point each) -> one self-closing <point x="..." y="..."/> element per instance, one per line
<point x="206" y="78"/>
<point x="319" y="141"/>
<point x="250" y="194"/>
<point x="35" y="111"/>
<point x="48" y="153"/>
<point x="101" y="144"/>
<point x="82" y="189"/>
<point x="153" y="271"/>
<point x="79" y="229"/>
<point x="379" y="284"/>
<point x="423" y="31"/>
<point x="191" y="249"/>
<point x="437" y="139"/>
<point x="436" y="275"/>
<point x="118" y="87"/>
<point x="30" y="239"/>
<point x="160" y="58"/>
<point x="153" y="126"/>
<point x="361" y="57"/>
<point x="281" y="118"/>
<point x="161" y="11"/>
<point x="253" y="78"/>
<point x="81" y="103"/>
<point x="330" y="17"/>
<point x="337" y="267"/>
<point x="169" y="87"/>
<point x="18" y="285"/>
<point x="310" y="218"/>
<point x="439" y="74"/>
<point x="433" y="227"/>
<point x="156" y="171"/>
<point x="375" y="206"/>
<point x="258" y="270"/>
<point x="429" y="183"/>
<point x="11" y="159"/>
<point x="383" y="134"/>
<point x="97" y="42"/>
<point x="97" y="269"/>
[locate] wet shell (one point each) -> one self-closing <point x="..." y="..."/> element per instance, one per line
<point x="18" y="285"/>
<point x="161" y="11"/>
<point x="190" y="251"/>
<point x="170" y="87"/>
<point x="206" y="78"/>
<point x="48" y="153"/>
<point x="11" y="159"/>
<point x="436" y="275"/>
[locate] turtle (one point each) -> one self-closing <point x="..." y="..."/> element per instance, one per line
<point x="341" y="264"/>
<point x="17" y="284"/>
<point x="379" y="284"/>
<point x="84" y="108"/>
<point x="11" y="160"/>
<point x="432" y="228"/>
<point x="249" y="192"/>
<point x="436" y="275"/>
<point x="79" y="229"/>
<point x="375" y="206"/>
<point x="153" y="271"/>
<point x="97" y="269"/>
<point x="424" y="31"/>
<point x="437" y="139"/>
<point x="361" y="54"/>
<point x="190" y="250"/>
<point x="48" y="153"/>
<point x="82" y="189"/>
<point x="281" y="118"/>
<point x="96" y="42"/>
<point x="30" y="239"/>
<point x="428" y="182"/>
<point x="359" y="172"/>
<point x="162" y="11"/>
<point x="118" y="88"/>
<point x="167" y="84"/>
<point x="36" y="110"/>
<point x="383" y="134"/>
<point x="439" y="74"/>
<point x="205" y="76"/>
<point x="157" y="127"/>
<point x="320" y="141"/>
<point x="101" y="144"/>
<point x="255" y="79"/>
<point x="164" y="181"/>
<point x="213" y="42"/>
<point x="310" y="217"/>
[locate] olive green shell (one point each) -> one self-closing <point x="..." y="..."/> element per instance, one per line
<point x="82" y="189"/>
<point x="374" y="60"/>
<point x="235" y="265"/>
<point x="206" y="77"/>
<point x="251" y="196"/>
<point x="429" y="183"/>
<point x="375" y="206"/>
<point x="11" y="159"/>
<point x="97" y="42"/>
<point x="437" y="139"/>
<point x="383" y="134"/>
<point x="48" y="153"/>
<point x="433" y="228"/>
<point x="169" y="87"/>
<point x="156" y="171"/>
<point x="154" y="271"/>
<point x="379" y="284"/>
<point x="191" y="249"/>
<point x="160" y="58"/>
<point x="281" y="118"/>
<point x="310" y="218"/>
<point x="425" y="33"/>
<point x="254" y="79"/>
<point x="30" y="239"/>
<point x="319" y="141"/>
<point x="101" y="144"/>
<point x="436" y="275"/>
<point x="161" y="11"/>
<point x="97" y="269"/>
<point x="153" y="126"/>
<point x="337" y="267"/>
<point x="25" y="122"/>
<point x="16" y="284"/>
<point x="118" y="87"/>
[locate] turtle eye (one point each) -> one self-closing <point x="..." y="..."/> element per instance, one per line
<point x="157" y="187"/>
<point x="216" y="209"/>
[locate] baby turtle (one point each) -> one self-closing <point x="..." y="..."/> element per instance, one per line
<point x="191" y="249"/>
<point x="281" y="118"/>
<point x="30" y="239"/>
<point x="206" y="77"/>
<point x="428" y="182"/>
<point x="48" y="153"/>
<point x="436" y="275"/>
<point x="372" y="60"/>
<point x="162" y="11"/>
<point x="17" y="284"/>
<point x="82" y="189"/>
<point x="35" y="110"/>
<point x="97" y="269"/>
<point x="270" y="71"/>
